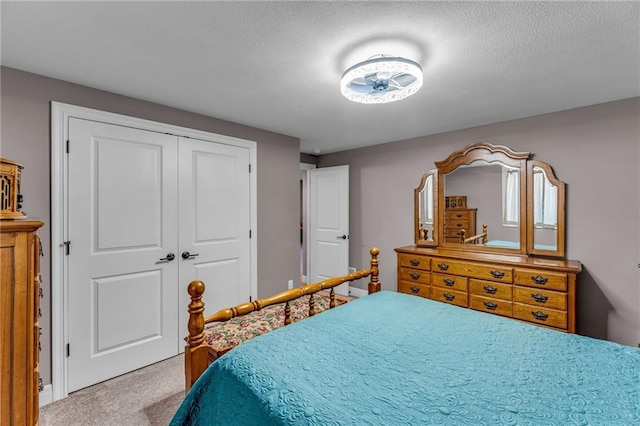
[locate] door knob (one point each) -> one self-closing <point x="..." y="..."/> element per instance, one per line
<point x="169" y="258"/>
<point x="186" y="255"/>
<point x="342" y="237"/>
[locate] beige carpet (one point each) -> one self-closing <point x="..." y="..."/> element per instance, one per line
<point x="149" y="396"/>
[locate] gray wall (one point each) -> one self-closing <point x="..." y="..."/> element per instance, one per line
<point x="594" y="149"/>
<point x="25" y="138"/>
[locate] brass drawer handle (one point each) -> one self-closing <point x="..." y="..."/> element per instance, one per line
<point x="443" y="266"/>
<point x="490" y="306"/>
<point x="458" y="215"/>
<point x="448" y="282"/>
<point x="414" y="276"/>
<point x="459" y="225"/>
<point x="497" y="274"/>
<point x="414" y="262"/>
<point x="414" y="289"/>
<point x="540" y="315"/>
<point x="538" y="279"/>
<point x="489" y="289"/>
<point x="449" y="296"/>
<point x="540" y="298"/>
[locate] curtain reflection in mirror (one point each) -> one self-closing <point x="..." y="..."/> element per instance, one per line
<point x="545" y="209"/>
<point x="510" y="198"/>
<point x="427" y="204"/>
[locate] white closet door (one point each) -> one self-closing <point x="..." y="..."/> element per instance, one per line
<point x="123" y="213"/>
<point x="214" y="224"/>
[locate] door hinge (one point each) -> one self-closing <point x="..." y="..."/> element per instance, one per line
<point x="249" y="168"/>
<point x="250" y="299"/>
<point x="67" y="146"/>
<point x="67" y="246"/>
<point x="68" y="350"/>
<point x="249" y="233"/>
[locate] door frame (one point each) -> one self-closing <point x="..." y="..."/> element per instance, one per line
<point x="304" y="169"/>
<point x="60" y="114"/>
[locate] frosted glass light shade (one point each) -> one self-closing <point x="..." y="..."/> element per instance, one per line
<point x="381" y="79"/>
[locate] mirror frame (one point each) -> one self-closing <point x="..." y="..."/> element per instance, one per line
<point x="488" y="153"/>
<point x="416" y="210"/>
<point x="560" y="231"/>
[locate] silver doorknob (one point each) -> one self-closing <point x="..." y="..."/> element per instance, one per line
<point x="186" y="255"/>
<point x="342" y="237"/>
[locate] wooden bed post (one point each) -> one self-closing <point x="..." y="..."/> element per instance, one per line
<point x="196" y="351"/>
<point x="374" y="285"/>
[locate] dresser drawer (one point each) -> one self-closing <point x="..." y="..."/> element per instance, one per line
<point x="493" y="306"/>
<point x="414" y="288"/>
<point x="414" y="261"/>
<point x="550" y="317"/>
<point x="456" y="215"/>
<point x="491" y="289"/>
<point x="543" y="298"/>
<point x="449" y="296"/>
<point x="415" y="275"/>
<point x="457" y="224"/>
<point x="452" y="233"/>
<point x="474" y="270"/>
<point x="453" y="282"/>
<point x="541" y="279"/>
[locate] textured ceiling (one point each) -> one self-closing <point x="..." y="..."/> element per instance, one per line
<point x="277" y="65"/>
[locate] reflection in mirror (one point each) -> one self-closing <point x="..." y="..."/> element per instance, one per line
<point x="490" y="215"/>
<point x="426" y="210"/>
<point x="545" y="211"/>
<point x="510" y="197"/>
<point x="425" y="215"/>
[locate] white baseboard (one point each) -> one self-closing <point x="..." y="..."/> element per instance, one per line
<point x="46" y="396"/>
<point x="357" y="292"/>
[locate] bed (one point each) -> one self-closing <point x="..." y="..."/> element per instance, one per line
<point x="390" y="358"/>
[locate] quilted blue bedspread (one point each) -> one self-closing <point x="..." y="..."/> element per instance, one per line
<point x="395" y="359"/>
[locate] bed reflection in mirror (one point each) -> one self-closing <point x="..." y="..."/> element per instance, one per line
<point x="493" y="191"/>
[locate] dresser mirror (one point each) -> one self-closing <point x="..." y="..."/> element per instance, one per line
<point x="490" y="215"/>
<point x="491" y="199"/>
<point x="426" y="210"/>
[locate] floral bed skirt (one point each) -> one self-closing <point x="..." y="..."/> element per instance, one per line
<point x="222" y="336"/>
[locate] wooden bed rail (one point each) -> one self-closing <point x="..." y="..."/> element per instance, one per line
<point x="196" y="350"/>
<point x="484" y="236"/>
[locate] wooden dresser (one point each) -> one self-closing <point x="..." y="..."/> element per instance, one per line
<point x="457" y="219"/>
<point x="19" y="321"/>
<point x="536" y="290"/>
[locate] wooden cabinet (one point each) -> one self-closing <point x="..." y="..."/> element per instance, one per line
<point x="19" y="321"/>
<point x="536" y="290"/>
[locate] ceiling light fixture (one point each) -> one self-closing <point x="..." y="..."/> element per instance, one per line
<point x="381" y="79"/>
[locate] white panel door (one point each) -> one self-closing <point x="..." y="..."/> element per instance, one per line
<point x="122" y="219"/>
<point x="214" y="224"/>
<point x="329" y="224"/>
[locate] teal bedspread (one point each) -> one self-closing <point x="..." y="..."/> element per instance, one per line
<point x="395" y="359"/>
